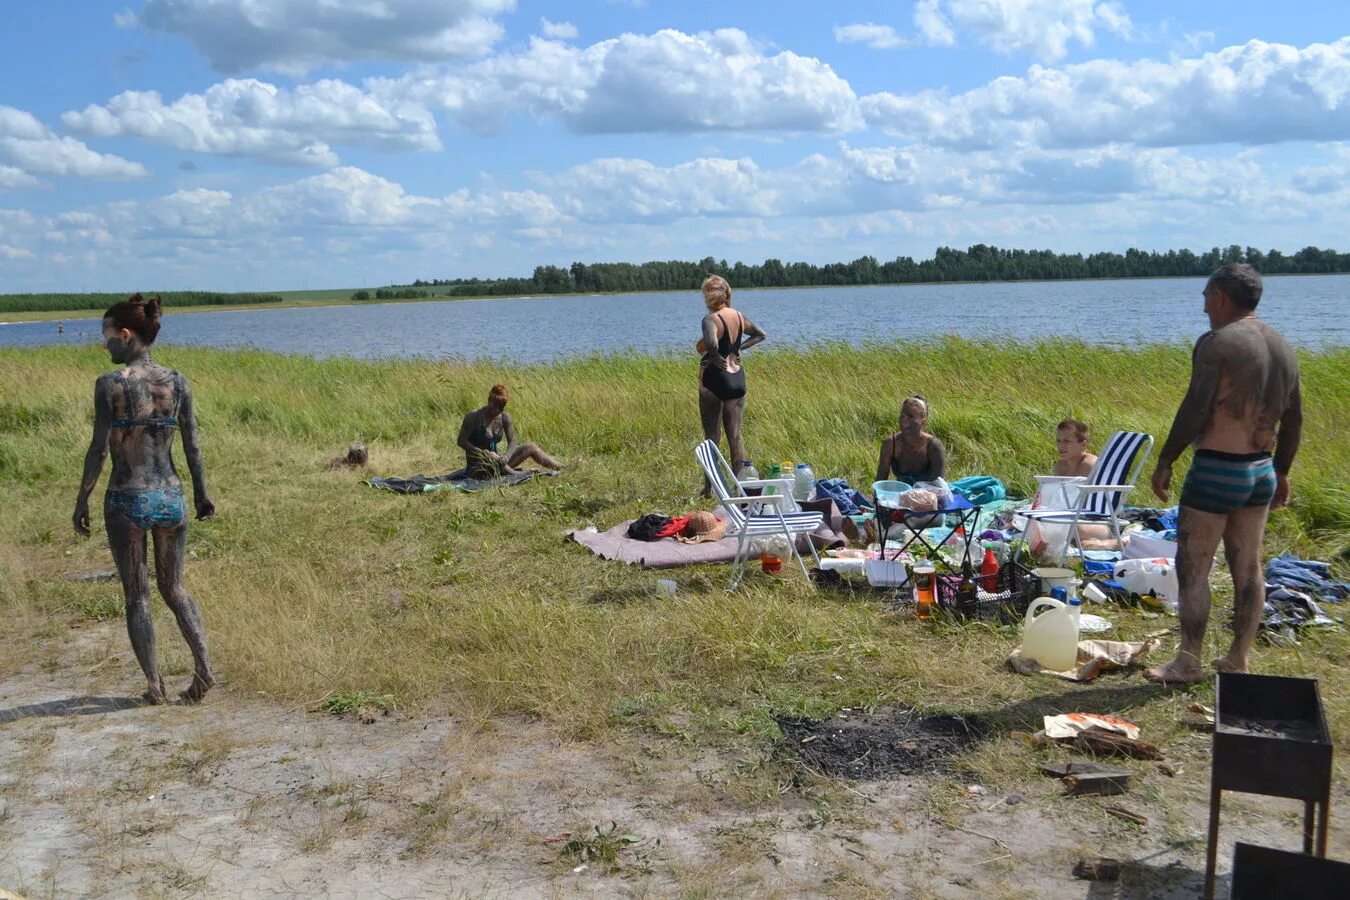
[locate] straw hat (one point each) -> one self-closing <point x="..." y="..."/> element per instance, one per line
<point x="703" y="526"/>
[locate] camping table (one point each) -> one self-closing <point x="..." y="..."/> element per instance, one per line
<point x="914" y="523"/>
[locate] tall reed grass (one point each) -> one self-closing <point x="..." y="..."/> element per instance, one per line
<point x="312" y="583"/>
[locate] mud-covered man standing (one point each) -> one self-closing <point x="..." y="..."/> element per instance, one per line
<point x="1242" y="404"/>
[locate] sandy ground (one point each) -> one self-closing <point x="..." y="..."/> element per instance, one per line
<point x="243" y="797"/>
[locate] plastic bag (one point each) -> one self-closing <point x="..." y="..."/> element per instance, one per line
<point x="1047" y="541"/>
<point x="919" y="500"/>
<point x="939" y="489"/>
<point x="1140" y="576"/>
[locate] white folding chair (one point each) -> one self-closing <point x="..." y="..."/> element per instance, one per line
<point x="748" y="516"/>
<point x="1102" y="494"/>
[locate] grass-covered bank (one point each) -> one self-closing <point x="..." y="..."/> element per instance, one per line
<point x="312" y="584"/>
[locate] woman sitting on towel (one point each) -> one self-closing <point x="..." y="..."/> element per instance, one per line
<point x="482" y="432"/>
<point x="912" y="454"/>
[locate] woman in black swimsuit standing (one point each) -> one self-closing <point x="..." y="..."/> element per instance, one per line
<point x="721" y="382"/>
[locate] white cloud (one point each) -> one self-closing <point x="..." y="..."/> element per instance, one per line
<point x="11" y="177"/>
<point x="932" y="25"/>
<point x="664" y="82"/>
<point x="337" y="224"/>
<point x="1257" y="93"/>
<point x="878" y="37"/>
<point x="342" y="197"/>
<point x="1044" y="28"/>
<point x="124" y="19"/>
<point x="1195" y="41"/>
<point x="562" y="31"/>
<point x="297" y="35"/>
<point x="254" y="118"/>
<point x="28" y="148"/>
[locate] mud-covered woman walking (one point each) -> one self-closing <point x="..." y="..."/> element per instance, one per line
<point x="137" y="410"/>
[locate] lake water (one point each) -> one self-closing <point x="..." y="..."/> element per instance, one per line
<point x="1310" y="311"/>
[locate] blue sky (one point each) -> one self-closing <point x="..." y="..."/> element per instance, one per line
<point x="281" y="144"/>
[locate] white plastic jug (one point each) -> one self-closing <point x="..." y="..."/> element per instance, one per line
<point x="1143" y="575"/>
<point x="1052" y="637"/>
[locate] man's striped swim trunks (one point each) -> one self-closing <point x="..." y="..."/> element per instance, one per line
<point x="1222" y="483"/>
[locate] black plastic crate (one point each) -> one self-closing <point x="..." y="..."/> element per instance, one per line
<point x="1017" y="587"/>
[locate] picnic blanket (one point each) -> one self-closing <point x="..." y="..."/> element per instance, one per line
<point x="668" y="553"/>
<point x="459" y="480"/>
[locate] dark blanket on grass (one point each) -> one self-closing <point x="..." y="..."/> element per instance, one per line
<point x="459" y="480"/>
<point x="668" y="553"/>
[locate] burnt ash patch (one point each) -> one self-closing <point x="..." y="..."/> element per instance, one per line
<point x="882" y="744"/>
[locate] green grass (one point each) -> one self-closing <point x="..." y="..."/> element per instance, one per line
<point x="315" y="586"/>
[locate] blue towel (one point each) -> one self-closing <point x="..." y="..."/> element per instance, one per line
<point x="1287" y="570"/>
<point x="979" y="489"/>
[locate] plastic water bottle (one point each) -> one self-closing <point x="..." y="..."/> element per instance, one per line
<point x="806" y="482"/>
<point x="747" y="472"/>
<point x="1076" y="610"/>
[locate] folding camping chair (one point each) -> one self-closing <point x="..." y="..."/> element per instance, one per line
<point x="749" y="516"/>
<point x="1102" y="494"/>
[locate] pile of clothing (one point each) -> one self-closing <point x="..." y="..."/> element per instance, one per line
<point x="694" y="528"/>
<point x="1294" y="588"/>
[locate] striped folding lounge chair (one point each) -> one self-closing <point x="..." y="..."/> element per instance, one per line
<point x="1103" y="493"/>
<point x="750" y="517"/>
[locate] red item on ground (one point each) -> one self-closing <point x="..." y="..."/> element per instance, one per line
<point x="672" y="528"/>
<point x="771" y="564"/>
<point x="989" y="571"/>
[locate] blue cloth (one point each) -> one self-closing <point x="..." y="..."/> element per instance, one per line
<point x="849" y="501"/>
<point x="1098" y="567"/>
<point x="148" y="509"/>
<point x="1287" y="570"/>
<point x="979" y="489"/>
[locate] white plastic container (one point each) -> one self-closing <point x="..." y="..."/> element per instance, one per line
<point x="1052" y="637"/>
<point x="806" y="482"/>
<point x="1052" y="578"/>
<point x="886" y="572"/>
<point x="888" y="492"/>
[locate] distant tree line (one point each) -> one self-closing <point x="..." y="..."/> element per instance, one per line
<point x="62" y="302"/>
<point x="978" y="263"/>
<point x="393" y="294"/>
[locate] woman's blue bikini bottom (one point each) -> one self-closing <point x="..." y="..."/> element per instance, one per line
<point x="148" y="509"/>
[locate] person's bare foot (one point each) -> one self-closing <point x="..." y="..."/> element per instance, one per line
<point x="1224" y="664"/>
<point x="154" y="694"/>
<point x="197" y="690"/>
<point x="1181" y="670"/>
